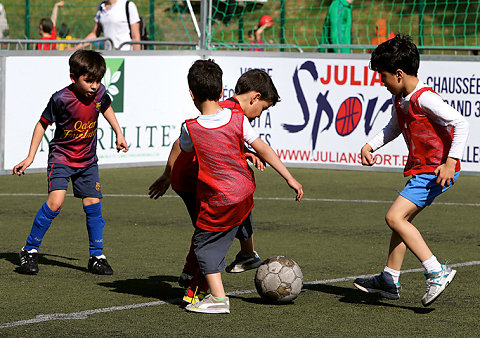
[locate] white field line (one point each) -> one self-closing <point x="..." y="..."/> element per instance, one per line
<point x="263" y="199"/>
<point x="84" y="314"/>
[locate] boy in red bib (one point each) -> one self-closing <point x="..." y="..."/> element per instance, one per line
<point x="435" y="134"/>
<point x="254" y="93"/>
<point x="225" y="183"/>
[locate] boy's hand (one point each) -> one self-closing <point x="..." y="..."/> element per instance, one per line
<point x="367" y="158"/>
<point x="159" y="187"/>
<point x="295" y="185"/>
<point x="256" y="161"/>
<point x="446" y="172"/>
<point x="19" y="169"/>
<point x="122" y="144"/>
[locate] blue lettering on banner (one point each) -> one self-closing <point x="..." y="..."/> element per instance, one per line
<point x="346" y="114"/>
<point x="454" y="85"/>
<point x="471" y="155"/>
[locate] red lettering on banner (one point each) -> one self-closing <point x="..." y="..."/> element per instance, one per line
<point x="329" y="74"/>
<point x="354" y="82"/>
<point x="345" y="75"/>
<point x="376" y="79"/>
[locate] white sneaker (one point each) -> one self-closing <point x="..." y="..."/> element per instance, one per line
<point x="243" y="263"/>
<point x="436" y="283"/>
<point x="210" y="305"/>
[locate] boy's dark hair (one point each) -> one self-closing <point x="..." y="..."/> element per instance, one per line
<point x="259" y="81"/>
<point x="63" y="30"/>
<point x="397" y="53"/>
<point x="205" y="80"/>
<point x="87" y="62"/>
<point x="46" y="25"/>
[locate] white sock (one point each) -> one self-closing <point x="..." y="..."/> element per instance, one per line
<point x="390" y="275"/>
<point x="432" y="264"/>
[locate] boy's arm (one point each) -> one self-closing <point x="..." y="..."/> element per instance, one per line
<point x="38" y="133"/>
<point x="112" y="120"/>
<point x="438" y="109"/>
<point x="256" y="161"/>
<point x="267" y="153"/>
<point x="55" y="12"/>
<point x="161" y="184"/>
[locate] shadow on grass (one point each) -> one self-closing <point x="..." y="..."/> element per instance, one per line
<point x="351" y="295"/>
<point x="259" y="301"/>
<point x="152" y="287"/>
<point x="43" y="259"/>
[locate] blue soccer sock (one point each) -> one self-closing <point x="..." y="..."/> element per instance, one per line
<point x="41" y="223"/>
<point x="95" y="224"/>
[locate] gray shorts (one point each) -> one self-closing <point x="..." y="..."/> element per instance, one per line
<point x="211" y="247"/>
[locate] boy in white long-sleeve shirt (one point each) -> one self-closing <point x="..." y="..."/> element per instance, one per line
<point x="435" y="134"/>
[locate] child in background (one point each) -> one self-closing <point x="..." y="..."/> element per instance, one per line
<point x="46" y="29"/>
<point x="72" y="155"/>
<point x="254" y="93"/>
<point x="435" y="134"/>
<point x="225" y="183"/>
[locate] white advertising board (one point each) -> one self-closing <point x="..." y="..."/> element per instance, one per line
<point x="150" y="99"/>
<point x="329" y="107"/>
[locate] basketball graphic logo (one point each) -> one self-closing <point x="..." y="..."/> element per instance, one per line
<point x="348" y="116"/>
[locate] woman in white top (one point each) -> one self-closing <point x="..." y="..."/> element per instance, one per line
<point x="111" y="19"/>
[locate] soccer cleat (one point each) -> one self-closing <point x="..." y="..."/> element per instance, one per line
<point x="210" y="305"/>
<point x="436" y="283"/>
<point x="99" y="266"/>
<point x="243" y="263"/>
<point x="192" y="297"/>
<point x="29" y="261"/>
<point x="185" y="279"/>
<point x="377" y="284"/>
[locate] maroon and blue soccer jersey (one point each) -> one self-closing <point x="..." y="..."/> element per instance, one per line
<point x="76" y="118"/>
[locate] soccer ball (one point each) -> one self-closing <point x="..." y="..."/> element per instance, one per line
<point x="279" y="280"/>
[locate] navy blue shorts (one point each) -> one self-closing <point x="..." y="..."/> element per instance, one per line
<point x="85" y="181"/>
<point x="212" y="247"/>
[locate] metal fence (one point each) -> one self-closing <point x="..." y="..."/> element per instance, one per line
<point x="438" y="27"/>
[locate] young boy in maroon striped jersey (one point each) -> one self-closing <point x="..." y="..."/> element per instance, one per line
<point x="435" y="134"/>
<point x="73" y="155"/>
<point x="225" y="183"/>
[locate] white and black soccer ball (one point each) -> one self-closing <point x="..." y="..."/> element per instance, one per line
<point x="279" y="280"/>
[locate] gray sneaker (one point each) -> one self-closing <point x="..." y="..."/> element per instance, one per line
<point x="210" y="305"/>
<point x="243" y="263"/>
<point x="436" y="283"/>
<point x="377" y="284"/>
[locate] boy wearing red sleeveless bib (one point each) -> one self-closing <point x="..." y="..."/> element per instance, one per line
<point x="225" y="183"/>
<point x="254" y="93"/>
<point x="436" y="135"/>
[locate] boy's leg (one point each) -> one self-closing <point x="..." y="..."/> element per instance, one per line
<point x="247" y="258"/>
<point x="41" y="223"/>
<point x="86" y="185"/>
<point x="211" y="248"/>
<point x="398" y="219"/>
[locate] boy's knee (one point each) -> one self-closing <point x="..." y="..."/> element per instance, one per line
<point x="55" y="206"/>
<point x="391" y="219"/>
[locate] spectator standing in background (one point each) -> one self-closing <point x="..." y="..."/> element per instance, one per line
<point x="4" y="31"/>
<point x="47" y="29"/>
<point x="111" y="19"/>
<point x="337" y="29"/>
<point x="255" y="35"/>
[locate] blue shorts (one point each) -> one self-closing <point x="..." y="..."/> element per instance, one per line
<point x="85" y="181"/>
<point x="422" y="189"/>
<point x="211" y="247"/>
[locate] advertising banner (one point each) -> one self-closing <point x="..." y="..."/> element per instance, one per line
<point x="149" y="96"/>
<point x="329" y="107"/>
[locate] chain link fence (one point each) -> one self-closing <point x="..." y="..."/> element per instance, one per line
<point x="438" y="27"/>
